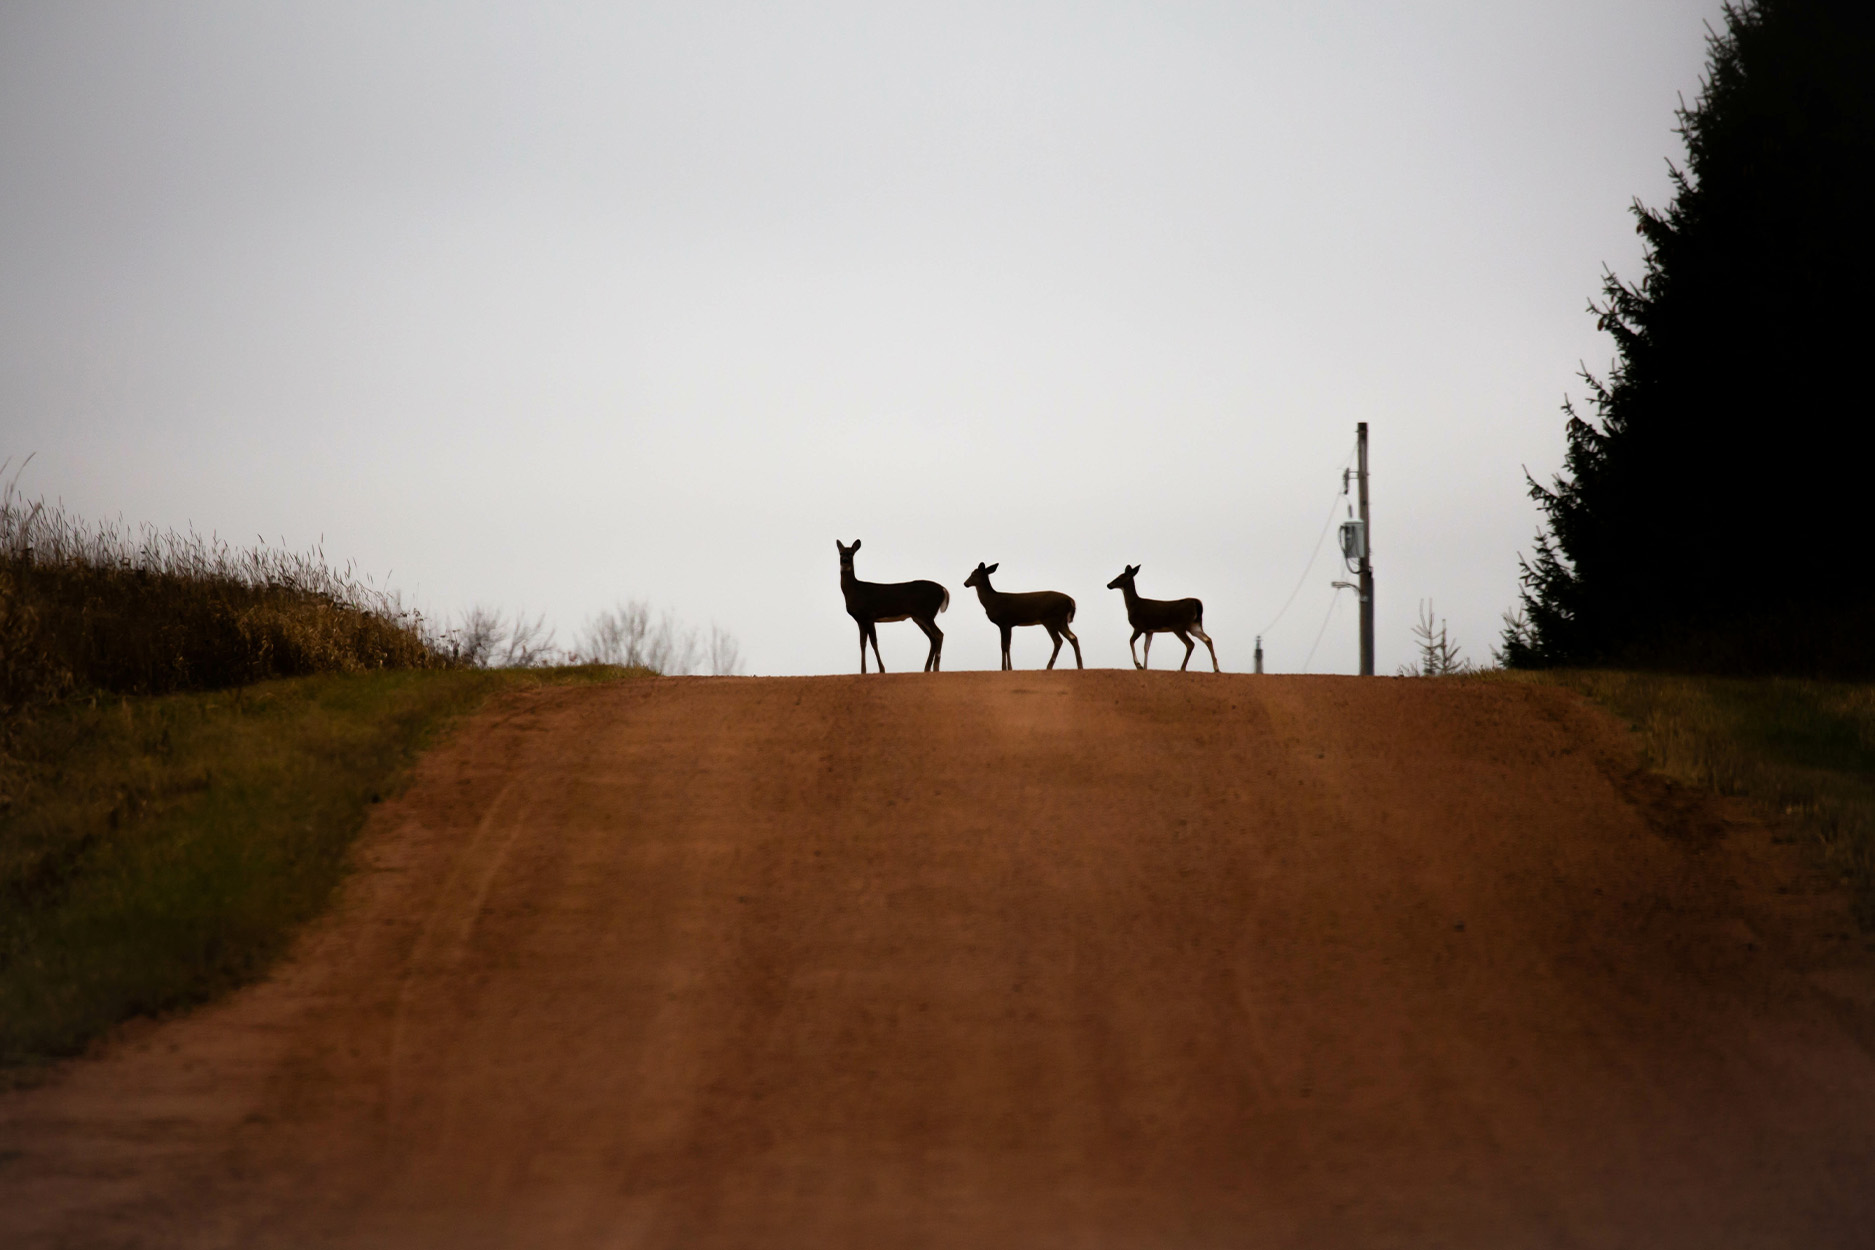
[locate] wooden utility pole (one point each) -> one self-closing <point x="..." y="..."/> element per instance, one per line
<point x="1367" y="557"/>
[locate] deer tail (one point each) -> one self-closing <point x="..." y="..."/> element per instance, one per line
<point x="945" y="602"/>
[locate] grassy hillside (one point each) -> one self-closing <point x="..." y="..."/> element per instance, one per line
<point x="156" y="851"/>
<point x="191" y="734"/>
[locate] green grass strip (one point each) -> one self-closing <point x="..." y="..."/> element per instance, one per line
<point x="156" y="852"/>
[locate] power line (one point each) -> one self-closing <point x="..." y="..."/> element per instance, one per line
<point x="1323" y="631"/>
<point x="1316" y="554"/>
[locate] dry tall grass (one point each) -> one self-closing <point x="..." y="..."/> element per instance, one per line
<point x="101" y="608"/>
<point x="98" y="607"/>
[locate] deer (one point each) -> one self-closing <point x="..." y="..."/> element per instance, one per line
<point x="870" y="603"/>
<point x="1050" y="609"/>
<point x="1178" y="617"/>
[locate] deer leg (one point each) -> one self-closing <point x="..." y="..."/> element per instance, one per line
<point x="936" y="636"/>
<point x="862" y="646"/>
<point x="1206" y="639"/>
<point x="1007" y="666"/>
<point x="1148" y="663"/>
<point x="1055" y="635"/>
<point x="872" y="632"/>
<point x="1180" y="635"/>
<point x="1133" y="650"/>
<point x="1077" y="646"/>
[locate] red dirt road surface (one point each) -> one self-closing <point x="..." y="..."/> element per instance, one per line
<point x="1070" y="959"/>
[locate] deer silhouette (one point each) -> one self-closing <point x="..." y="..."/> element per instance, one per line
<point x="1178" y="617"/>
<point x="1050" y="609"/>
<point x="869" y="603"/>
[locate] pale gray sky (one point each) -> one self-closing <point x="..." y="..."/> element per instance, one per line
<point x="549" y="306"/>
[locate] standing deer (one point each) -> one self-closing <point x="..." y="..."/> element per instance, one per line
<point x="868" y="603"/>
<point x="1178" y="617"/>
<point x="1050" y="609"/>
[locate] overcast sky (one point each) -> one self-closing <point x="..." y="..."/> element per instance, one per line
<point x="549" y="306"/>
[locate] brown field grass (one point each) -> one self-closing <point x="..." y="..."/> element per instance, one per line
<point x="96" y="607"/>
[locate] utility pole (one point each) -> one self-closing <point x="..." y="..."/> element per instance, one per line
<point x="1367" y="557"/>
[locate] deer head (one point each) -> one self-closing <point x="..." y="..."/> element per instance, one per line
<point x="1125" y="579"/>
<point x="982" y="576"/>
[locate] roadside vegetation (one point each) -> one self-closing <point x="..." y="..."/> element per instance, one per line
<point x="1696" y="525"/>
<point x="88" y="608"/>
<point x="191" y="736"/>
<point x="1440" y="654"/>
<point x="157" y="851"/>
<point x="1734" y="637"/>
<point x="1804" y="749"/>
<point x="627" y="636"/>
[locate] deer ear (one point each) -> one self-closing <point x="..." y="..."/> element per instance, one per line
<point x="856" y="544"/>
<point x="1132" y="568"/>
<point x="994" y="567"/>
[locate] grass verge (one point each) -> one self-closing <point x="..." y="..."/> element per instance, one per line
<point x="1806" y="748"/>
<point x="157" y="851"/>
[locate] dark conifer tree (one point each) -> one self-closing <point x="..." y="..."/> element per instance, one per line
<point x="1712" y="513"/>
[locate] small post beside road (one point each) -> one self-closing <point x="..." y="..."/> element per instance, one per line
<point x="1367" y="556"/>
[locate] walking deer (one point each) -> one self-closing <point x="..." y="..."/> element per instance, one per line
<point x="869" y="603"/>
<point x="1178" y="617"/>
<point x="1050" y="609"/>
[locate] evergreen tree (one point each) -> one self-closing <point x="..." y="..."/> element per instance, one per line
<point x="1710" y="514"/>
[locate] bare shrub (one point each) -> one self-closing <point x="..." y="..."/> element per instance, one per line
<point x="529" y="644"/>
<point x="725" y="652"/>
<point x="1438" y="651"/>
<point x="472" y="643"/>
<point x="484" y="638"/>
<point x="616" y="636"/>
<point x="631" y="637"/>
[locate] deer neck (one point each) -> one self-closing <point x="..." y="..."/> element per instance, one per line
<point x="988" y="597"/>
<point x="1131" y="596"/>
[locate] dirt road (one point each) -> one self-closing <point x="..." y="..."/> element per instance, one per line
<point x="1098" y="959"/>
